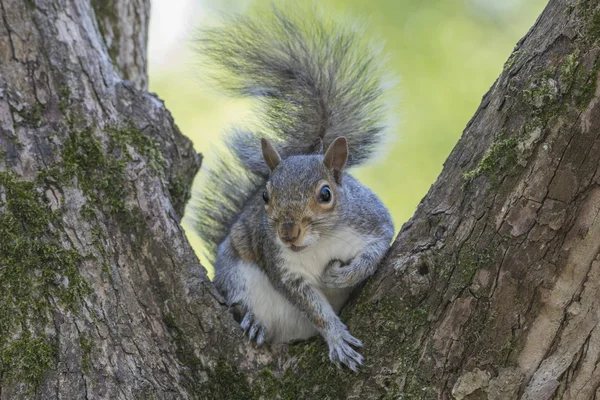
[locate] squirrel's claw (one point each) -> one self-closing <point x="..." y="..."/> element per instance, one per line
<point x="344" y="354"/>
<point x="352" y="340"/>
<point x="341" y="352"/>
<point x="247" y="321"/>
<point x="254" y="328"/>
<point x="262" y="333"/>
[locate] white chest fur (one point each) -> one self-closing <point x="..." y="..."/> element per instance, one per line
<point x="283" y="321"/>
<point x="342" y="245"/>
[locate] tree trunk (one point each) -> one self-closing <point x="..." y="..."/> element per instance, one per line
<point x="490" y="291"/>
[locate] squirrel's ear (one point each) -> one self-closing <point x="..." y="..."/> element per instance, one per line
<point x="336" y="157"/>
<point x="270" y="155"/>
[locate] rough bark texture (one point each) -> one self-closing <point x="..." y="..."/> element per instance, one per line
<point x="94" y="175"/>
<point x="490" y="291"/>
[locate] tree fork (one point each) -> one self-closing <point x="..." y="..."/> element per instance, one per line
<point x="490" y="290"/>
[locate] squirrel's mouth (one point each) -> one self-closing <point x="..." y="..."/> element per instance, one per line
<point x="297" y="248"/>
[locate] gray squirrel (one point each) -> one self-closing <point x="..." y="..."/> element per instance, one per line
<point x="289" y="232"/>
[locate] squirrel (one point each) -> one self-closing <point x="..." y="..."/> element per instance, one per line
<point x="290" y="233"/>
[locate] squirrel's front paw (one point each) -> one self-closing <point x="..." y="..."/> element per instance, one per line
<point x="338" y="276"/>
<point x="254" y="328"/>
<point x="340" y="351"/>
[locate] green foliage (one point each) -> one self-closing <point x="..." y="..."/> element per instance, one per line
<point x="446" y="53"/>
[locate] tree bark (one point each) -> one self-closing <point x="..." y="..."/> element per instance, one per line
<point x="490" y="291"/>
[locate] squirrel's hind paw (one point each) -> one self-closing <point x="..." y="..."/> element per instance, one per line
<point x="254" y="328"/>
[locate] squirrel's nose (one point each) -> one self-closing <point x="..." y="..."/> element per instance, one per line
<point x="289" y="232"/>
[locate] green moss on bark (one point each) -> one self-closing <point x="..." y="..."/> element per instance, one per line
<point x="86" y="349"/>
<point x="100" y="173"/>
<point x="101" y="176"/>
<point x="64" y="99"/>
<point x="568" y="70"/>
<point x="27" y="359"/>
<point x="180" y="192"/>
<point x="586" y="84"/>
<point x="513" y="58"/>
<point x="311" y="374"/>
<point x="501" y="156"/>
<point x="470" y="260"/>
<point x="36" y="270"/>
<point x="30" y="116"/>
<point x="183" y="349"/>
<point x="396" y="326"/>
<point x="108" y="21"/>
<point x="546" y="97"/>
<point x="591" y="14"/>
<point x="221" y="381"/>
<point x="226" y="382"/>
<point x="128" y="135"/>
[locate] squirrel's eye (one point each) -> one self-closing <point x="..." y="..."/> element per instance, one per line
<point x="325" y="194"/>
<point x="266" y="196"/>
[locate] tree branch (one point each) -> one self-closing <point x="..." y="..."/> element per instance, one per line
<point x="489" y="291"/>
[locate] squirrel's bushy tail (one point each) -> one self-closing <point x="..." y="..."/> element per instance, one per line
<point x="315" y="79"/>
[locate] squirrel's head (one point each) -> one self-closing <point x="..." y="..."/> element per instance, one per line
<point x="303" y="194"/>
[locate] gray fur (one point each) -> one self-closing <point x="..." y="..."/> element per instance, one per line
<point x="316" y="81"/>
<point x="226" y="189"/>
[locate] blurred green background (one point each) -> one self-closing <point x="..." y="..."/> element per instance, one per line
<point x="447" y="54"/>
